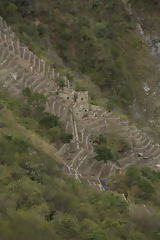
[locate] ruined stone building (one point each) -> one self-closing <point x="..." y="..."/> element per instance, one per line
<point x="20" y="68"/>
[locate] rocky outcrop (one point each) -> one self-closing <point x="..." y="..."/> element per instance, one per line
<point x="20" y="68"/>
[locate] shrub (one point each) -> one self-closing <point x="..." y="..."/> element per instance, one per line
<point x="26" y="92"/>
<point x="29" y="29"/>
<point x="35" y="100"/>
<point x="96" y="233"/>
<point x="41" y="29"/>
<point x="112" y="103"/>
<point x="132" y="176"/>
<point x="66" y="137"/>
<point x="101" y="139"/>
<point x="38" y="101"/>
<point x="54" y="133"/>
<point x="61" y="83"/>
<point x="11" y="8"/>
<point x="20" y="144"/>
<point x="67" y="226"/>
<point x="48" y="121"/>
<point x="70" y="76"/>
<point x="150" y="174"/>
<point x="146" y="188"/>
<point x="66" y="35"/>
<point x="103" y="30"/>
<point x="103" y="153"/>
<point x="2" y="125"/>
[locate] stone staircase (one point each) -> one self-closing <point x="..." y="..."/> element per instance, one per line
<point x="20" y="68"/>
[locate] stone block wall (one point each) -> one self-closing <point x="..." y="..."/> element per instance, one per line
<point x="20" y="68"/>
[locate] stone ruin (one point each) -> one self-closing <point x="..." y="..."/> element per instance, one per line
<point x="20" y="68"/>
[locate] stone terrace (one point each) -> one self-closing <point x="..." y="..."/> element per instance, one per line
<point x="20" y="68"/>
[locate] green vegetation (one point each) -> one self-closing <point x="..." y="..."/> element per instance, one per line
<point x="38" y="201"/>
<point x="97" y="41"/>
<point x="60" y="83"/>
<point x="103" y="153"/>
<point x="139" y="184"/>
<point x="66" y="137"/>
<point x="110" y="146"/>
<point x="48" y="121"/>
<point x="98" y="44"/>
<point x="32" y="115"/>
<point x="36" y="101"/>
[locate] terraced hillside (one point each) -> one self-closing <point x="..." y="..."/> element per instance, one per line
<point x="20" y="68"/>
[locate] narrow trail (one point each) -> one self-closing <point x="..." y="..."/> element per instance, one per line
<point x="20" y="68"/>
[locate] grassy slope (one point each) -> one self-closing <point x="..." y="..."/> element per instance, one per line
<point x="96" y="40"/>
<point x="33" y="189"/>
<point x="37" y="200"/>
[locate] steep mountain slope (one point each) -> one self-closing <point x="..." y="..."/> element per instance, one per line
<point x="38" y="200"/>
<point x="96" y="41"/>
<point x="20" y="68"/>
<point x="147" y="14"/>
<point x="29" y="173"/>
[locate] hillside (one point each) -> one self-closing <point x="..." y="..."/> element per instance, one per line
<point x="72" y="161"/>
<point x="147" y="14"/>
<point x="38" y="200"/>
<point x="35" y="191"/>
<point x="95" y="42"/>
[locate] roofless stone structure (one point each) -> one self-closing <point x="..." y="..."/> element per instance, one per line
<point x="20" y="68"/>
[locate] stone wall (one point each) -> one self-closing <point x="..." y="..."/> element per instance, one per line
<point x="20" y="68"/>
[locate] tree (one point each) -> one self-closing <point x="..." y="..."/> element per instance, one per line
<point x="96" y="234"/>
<point x="100" y="139"/>
<point x="103" y="30"/>
<point x="27" y="92"/>
<point x="48" y="121"/>
<point x="11" y="8"/>
<point x="61" y="84"/>
<point x="21" y="144"/>
<point x="35" y="103"/>
<point x="41" y="29"/>
<point x="66" y="137"/>
<point x="54" y="133"/>
<point x="132" y="176"/>
<point x="147" y="190"/>
<point x="66" y="225"/>
<point x="38" y="101"/>
<point x="103" y="153"/>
